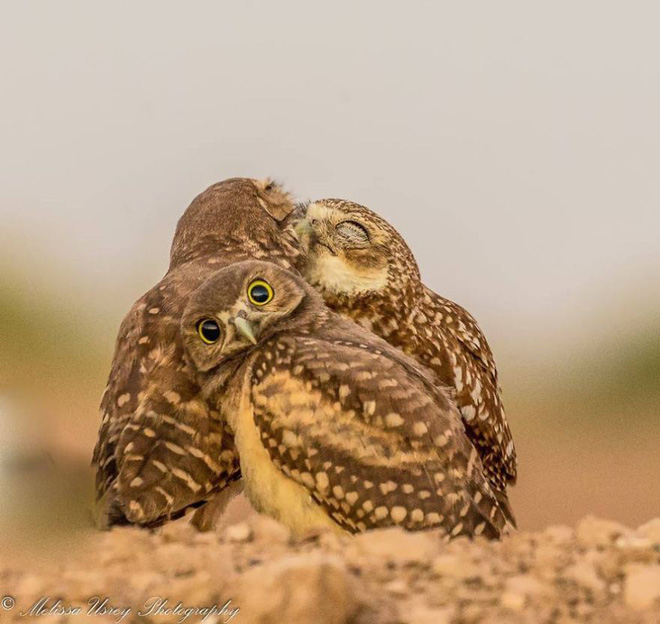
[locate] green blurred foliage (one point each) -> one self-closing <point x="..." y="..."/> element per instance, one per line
<point x="39" y="337"/>
<point x="619" y="371"/>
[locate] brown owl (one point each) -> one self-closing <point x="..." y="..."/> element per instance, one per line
<point x="333" y="426"/>
<point x="160" y="448"/>
<point x="364" y="270"/>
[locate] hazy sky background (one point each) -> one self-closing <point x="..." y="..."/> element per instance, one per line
<point x="516" y="145"/>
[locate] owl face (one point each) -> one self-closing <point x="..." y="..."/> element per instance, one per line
<point x="237" y="308"/>
<point x="351" y="250"/>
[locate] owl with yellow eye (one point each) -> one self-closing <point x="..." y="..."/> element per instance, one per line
<point x="161" y="449"/>
<point x="333" y="426"/>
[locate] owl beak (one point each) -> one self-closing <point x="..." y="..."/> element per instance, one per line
<point x="303" y="228"/>
<point x="244" y="327"/>
<point x="312" y="237"/>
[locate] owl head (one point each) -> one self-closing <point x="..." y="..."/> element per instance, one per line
<point x="239" y="307"/>
<point x="350" y="250"/>
<point x="233" y="213"/>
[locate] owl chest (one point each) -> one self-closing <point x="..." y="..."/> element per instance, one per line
<point x="269" y="490"/>
<point x="261" y="477"/>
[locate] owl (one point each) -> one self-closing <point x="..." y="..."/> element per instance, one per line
<point x="334" y="427"/>
<point x="365" y="271"/>
<point x="161" y="449"/>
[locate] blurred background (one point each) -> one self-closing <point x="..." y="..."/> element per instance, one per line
<point x="515" y="145"/>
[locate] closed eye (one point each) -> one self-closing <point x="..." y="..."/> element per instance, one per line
<point x="353" y="231"/>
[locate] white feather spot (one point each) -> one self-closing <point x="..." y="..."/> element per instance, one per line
<point x="123" y="399"/>
<point x="468" y="412"/>
<point x="393" y="420"/>
<point x="381" y="512"/>
<point x="420" y="428"/>
<point x="398" y="514"/>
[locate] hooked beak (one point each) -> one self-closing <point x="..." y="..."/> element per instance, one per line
<point x="310" y="236"/>
<point x="244" y="327"/>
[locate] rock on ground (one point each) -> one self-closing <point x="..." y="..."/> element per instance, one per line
<point x="253" y="572"/>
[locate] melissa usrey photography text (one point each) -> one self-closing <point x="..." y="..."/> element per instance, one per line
<point x="98" y="606"/>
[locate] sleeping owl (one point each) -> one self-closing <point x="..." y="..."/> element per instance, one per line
<point x="365" y="271"/>
<point x="333" y="426"/>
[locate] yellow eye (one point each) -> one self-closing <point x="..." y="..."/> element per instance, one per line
<point x="209" y="331"/>
<point x="260" y="292"/>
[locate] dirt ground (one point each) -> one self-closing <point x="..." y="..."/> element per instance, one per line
<point x="251" y="571"/>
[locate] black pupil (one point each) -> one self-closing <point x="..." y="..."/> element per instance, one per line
<point x="260" y="293"/>
<point x="210" y="330"/>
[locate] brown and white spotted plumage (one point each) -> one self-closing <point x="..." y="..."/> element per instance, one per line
<point x="364" y="270"/>
<point x="161" y="449"/>
<point x="333" y="426"/>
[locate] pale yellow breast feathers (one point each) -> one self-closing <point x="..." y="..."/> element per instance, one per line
<point x="267" y="488"/>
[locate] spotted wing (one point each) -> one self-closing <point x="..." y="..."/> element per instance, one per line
<point x="160" y="449"/>
<point x="461" y="356"/>
<point x="368" y="439"/>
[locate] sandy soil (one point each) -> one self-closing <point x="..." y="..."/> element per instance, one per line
<point x="252" y="572"/>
